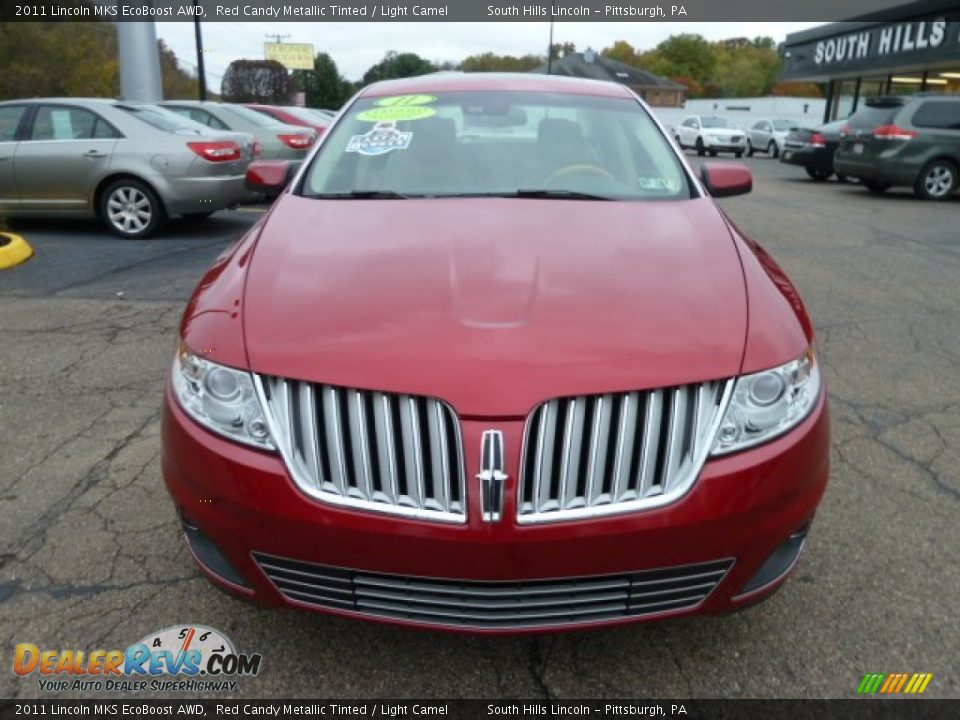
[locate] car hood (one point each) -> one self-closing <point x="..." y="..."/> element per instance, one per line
<point x="495" y="305"/>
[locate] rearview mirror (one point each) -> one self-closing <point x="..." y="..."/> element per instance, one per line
<point x="726" y="179"/>
<point x="270" y="177"/>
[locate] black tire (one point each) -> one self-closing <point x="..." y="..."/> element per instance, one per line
<point x="750" y="149"/>
<point x="875" y="186"/>
<point x="131" y="209"/>
<point x="938" y="180"/>
<point x="738" y="155"/>
<point x="818" y="174"/>
<point x="772" y="150"/>
<point x="713" y="153"/>
<point x="842" y="178"/>
<point x="199" y="215"/>
<point x="701" y="150"/>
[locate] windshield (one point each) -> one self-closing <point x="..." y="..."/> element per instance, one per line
<point x="783" y="125"/>
<point x="517" y="144"/>
<point x="717" y="122"/>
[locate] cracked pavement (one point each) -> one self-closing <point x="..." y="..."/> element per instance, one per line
<point x="91" y="555"/>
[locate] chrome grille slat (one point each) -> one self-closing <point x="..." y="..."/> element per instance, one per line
<point x="650" y="446"/>
<point x="604" y="454"/>
<point x="477" y="588"/>
<point x="338" y="467"/>
<point x="398" y="454"/>
<point x="495" y="604"/>
<point x="626" y="440"/>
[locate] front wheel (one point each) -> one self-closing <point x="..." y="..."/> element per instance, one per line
<point x="937" y="181"/>
<point x="131" y="209"/>
<point x="701" y="150"/>
<point x="818" y="174"/>
<point x="750" y="149"/>
<point x="772" y="150"/>
<point x="713" y="153"/>
<point x="738" y="155"/>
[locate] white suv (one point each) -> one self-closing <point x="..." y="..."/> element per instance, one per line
<point x="711" y="133"/>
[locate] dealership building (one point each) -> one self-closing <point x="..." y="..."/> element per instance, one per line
<point x="907" y="49"/>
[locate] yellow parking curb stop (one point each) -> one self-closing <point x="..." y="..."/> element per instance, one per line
<point x="13" y="250"/>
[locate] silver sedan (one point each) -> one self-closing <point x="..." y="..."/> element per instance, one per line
<point x="278" y="141"/>
<point x="131" y="165"/>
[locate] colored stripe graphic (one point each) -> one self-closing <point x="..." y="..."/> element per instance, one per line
<point x="894" y="683"/>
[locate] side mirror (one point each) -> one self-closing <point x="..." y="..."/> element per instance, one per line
<point x="726" y="179"/>
<point x="270" y="177"/>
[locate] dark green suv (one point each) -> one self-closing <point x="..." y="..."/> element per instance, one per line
<point x="911" y="140"/>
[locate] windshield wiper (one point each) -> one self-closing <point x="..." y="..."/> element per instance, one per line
<point x="364" y="195"/>
<point x="529" y="193"/>
<point x="560" y="194"/>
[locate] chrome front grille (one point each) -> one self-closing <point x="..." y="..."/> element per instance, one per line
<point x="604" y="454"/>
<point x="490" y="604"/>
<point x="378" y="451"/>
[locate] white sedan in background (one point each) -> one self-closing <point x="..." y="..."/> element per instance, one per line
<point x="711" y="133"/>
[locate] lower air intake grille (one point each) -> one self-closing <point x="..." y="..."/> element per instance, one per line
<point x="480" y="604"/>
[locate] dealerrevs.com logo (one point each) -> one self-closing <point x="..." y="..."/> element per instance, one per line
<point x="188" y="658"/>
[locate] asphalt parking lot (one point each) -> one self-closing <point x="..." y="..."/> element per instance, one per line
<point x="91" y="555"/>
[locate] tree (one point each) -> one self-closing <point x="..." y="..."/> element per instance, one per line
<point x="397" y="65"/>
<point x="685" y="54"/>
<point x="178" y="84"/>
<point x="76" y="59"/>
<point x="559" y="50"/>
<point x="257" y="81"/>
<point x="622" y="51"/>
<point x="491" y="62"/>
<point x="324" y="86"/>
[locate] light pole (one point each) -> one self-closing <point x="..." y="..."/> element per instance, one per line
<point x="550" y="46"/>
<point x="201" y="73"/>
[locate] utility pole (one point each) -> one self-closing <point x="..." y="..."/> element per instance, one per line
<point x="277" y="37"/>
<point x="550" y="46"/>
<point x="201" y="72"/>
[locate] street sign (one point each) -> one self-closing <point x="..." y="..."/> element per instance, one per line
<point x="293" y="56"/>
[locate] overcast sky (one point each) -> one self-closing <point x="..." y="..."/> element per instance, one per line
<point x="357" y="46"/>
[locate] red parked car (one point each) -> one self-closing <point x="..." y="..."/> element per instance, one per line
<point x="293" y="115"/>
<point x="496" y="361"/>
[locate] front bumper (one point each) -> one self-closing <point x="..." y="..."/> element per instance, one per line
<point x="742" y="509"/>
<point x="725" y="144"/>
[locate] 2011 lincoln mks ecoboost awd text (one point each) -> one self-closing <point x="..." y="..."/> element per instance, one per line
<point x="496" y="361"/>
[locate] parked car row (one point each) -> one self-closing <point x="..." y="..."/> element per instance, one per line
<point x="135" y="165"/>
<point x="911" y="141"/>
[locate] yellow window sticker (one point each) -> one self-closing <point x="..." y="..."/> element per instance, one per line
<point x="402" y="100"/>
<point x="396" y="114"/>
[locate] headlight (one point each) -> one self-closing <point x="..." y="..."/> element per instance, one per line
<point x="767" y="404"/>
<point x="220" y="398"/>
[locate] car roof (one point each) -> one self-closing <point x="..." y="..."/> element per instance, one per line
<point x="492" y="82"/>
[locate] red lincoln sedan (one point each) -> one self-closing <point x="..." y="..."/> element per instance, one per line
<point x="496" y="361"/>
